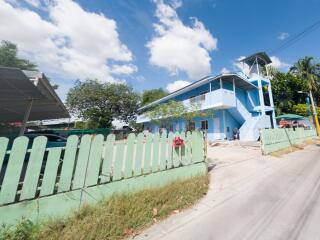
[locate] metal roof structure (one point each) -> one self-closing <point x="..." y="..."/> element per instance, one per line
<point x="261" y="57"/>
<point x="27" y="96"/>
<point x="240" y="81"/>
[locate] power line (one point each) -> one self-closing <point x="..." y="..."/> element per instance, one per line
<point x="298" y="36"/>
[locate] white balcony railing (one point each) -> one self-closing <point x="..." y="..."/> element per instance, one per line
<point x="220" y="98"/>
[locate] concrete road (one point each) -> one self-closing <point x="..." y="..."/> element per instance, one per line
<point x="252" y="197"/>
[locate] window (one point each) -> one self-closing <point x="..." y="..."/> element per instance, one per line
<point x="191" y="126"/>
<point x="204" y="125"/>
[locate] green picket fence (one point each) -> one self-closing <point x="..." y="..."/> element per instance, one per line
<point x="86" y="164"/>
<point x="280" y="138"/>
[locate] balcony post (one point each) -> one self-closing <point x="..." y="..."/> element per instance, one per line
<point x="234" y="90"/>
<point x="263" y="112"/>
<point x="220" y="83"/>
<point x="233" y="85"/>
<point x="272" y="105"/>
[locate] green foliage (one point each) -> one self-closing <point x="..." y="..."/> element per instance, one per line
<point x="24" y="230"/>
<point x="309" y="71"/>
<point x="9" y="57"/>
<point x="119" y="217"/>
<point x="302" y="109"/>
<point x="80" y="125"/>
<point x="149" y="96"/>
<point x="136" y="126"/>
<point x="173" y="110"/>
<point x="285" y="87"/>
<point x="101" y="103"/>
<point x="302" y="76"/>
<point x="85" y="125"/>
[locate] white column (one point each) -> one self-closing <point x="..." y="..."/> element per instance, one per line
<point x="262" y="106"/>
<point x="234" y="90"/>
<point x="224" y="124"/>
<point x="26" y="117"/>
<point x="272" y="105"/>
<point x="220" y="83"/>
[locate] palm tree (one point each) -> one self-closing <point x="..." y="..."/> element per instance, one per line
<point x="309" y="71"/>
<point x="306" y="69"/>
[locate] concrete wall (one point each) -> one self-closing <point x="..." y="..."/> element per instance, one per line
<point x="273" y="140"/>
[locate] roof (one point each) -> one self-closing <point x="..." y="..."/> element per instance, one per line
<point x="290" y="116"/>
<point x="240" y="81"/>
<point x="19" y="87"/>
<point x="262" y="57"/>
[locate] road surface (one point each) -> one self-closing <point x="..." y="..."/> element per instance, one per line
<point x="252" y="197"/>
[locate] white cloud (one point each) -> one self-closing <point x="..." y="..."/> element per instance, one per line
<point x="34" y="3"/>
<point x="277" y="63"/>
<point x="241" y="66"/>
<point x="171" y="87"/>
<point x="71" y="42"/>
<point x="177" y="47"/>
<point x="140" y="78"/>
<point x="283" y="36"/>
<point x="224" y="70"/>
<point x="176" y="3"/>
<point x="124" y="69"/>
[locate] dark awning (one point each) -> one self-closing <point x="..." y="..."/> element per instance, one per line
<point x="17" y="90"/>
<point x="262" y="58"/>
<point x="240" y="82"/>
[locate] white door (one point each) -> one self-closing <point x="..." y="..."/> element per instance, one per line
<point x="216" y="128"/>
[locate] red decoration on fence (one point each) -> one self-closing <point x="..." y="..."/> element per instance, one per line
<point x="177" y="142"/>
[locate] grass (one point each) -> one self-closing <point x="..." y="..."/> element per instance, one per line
<point x="118" y="217"/>
<point x="293" y="148"/>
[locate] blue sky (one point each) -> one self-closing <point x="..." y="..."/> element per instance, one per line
<point x="191" y="38"/>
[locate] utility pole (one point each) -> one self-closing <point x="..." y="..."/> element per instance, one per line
<point x="314" y="111"/>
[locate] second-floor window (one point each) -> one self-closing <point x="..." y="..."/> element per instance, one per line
<point x="204" y="125"/>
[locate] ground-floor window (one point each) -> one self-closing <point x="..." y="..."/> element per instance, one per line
<point x="191" y="126"/>
<point x="204" y="125"/>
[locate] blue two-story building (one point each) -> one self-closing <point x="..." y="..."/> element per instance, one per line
<point x="236" y="102"/>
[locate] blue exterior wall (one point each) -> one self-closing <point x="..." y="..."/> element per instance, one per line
<point x="226" y="119"/>
<point x="180" y="125"/>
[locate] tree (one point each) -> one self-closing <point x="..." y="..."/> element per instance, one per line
<point x="285" y="87"/>
<point x="309" y="71"/>
<point x="9" y="57"/>
<point x="302" y="109"/>
<point x="102" y="102"/>
<point x="149" y="96"/>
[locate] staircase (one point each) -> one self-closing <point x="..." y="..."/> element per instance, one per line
<point x="250" y="126"/>
<point x="240" y="112"/>
<point x="249" y="131"/>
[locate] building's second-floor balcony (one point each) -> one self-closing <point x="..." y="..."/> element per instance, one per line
<point x="218" y="99"/>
